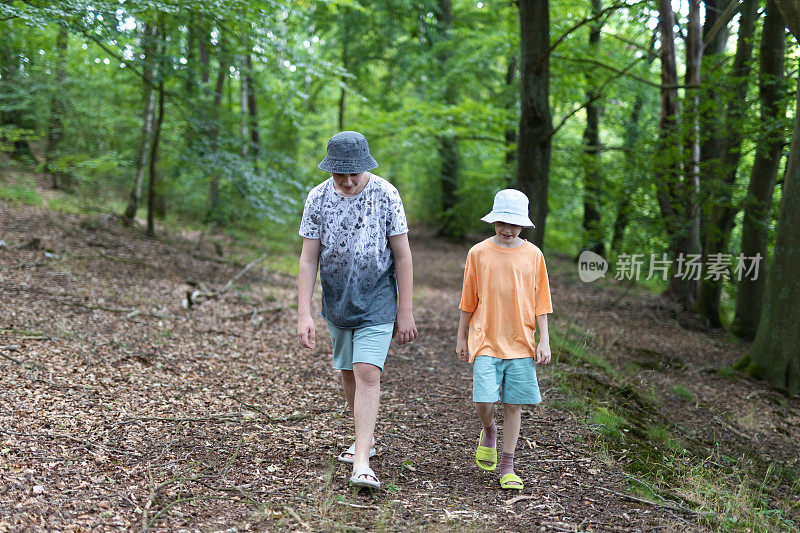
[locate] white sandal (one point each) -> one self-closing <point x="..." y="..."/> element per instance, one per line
<point x="351" y="451"/>
<point x="359" y="478"/>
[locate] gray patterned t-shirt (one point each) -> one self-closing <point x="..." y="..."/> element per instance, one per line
<point x="359" y="287"/>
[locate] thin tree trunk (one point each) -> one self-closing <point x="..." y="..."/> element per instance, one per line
<point x="775" y="353"/>
<point x="592" y="180"/>
<point x="535" y="123"/>
<point x="243" y="103"/>
<point x="511" y="133"/>
<point x="55" y="126"/>
<point x="447" y="144"/>
<point x="757" y="206"/>
<point x="255" y="134"/>
<point x="152" y="184"/>
<point x="149" y="39"/>
<point x="345" y="65"/>
<point x="694" y="61"/>
<point x="722" y="209"/>
<point x="213" y="188"/>
<point x="203" y="44"/>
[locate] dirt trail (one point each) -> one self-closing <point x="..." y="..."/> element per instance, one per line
<point x="121" y="410"/>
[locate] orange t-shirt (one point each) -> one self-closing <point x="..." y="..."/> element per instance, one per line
<point x="505" y="289"/>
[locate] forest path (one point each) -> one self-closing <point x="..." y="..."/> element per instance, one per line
<point x="121" y="410"/>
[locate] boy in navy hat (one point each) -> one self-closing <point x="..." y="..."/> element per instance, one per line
<point x="354" y="229"/>
<point x="505" y="295"/>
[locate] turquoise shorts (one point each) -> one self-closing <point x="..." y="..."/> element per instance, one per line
<point x="516" y="378"/>
<point x="363" y="345"/>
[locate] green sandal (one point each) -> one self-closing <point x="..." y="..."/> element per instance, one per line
<point x="507" y="480"/>
<point x="484" y="454"/>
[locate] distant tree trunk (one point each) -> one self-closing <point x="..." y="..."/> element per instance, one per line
<point x="152" y="182"/>
<point x="203" y="44"/>
<point x="55" y="126"/>
<point x="345" y="65"/>
<point x="722" y="210"/>
<point x="190" y="53"/>
<point x="255" y="134"/>
<point x="149" y="40"/>
<point x="775" y="353"/>
<point x="243" y="103"/>
<point x="213" y="188"/>
<point x="511" y="133"/>
<point x="535" y="122"/>
<point x="447" y="145"/>
<point x="757" y="206"/>
<point x="592" y="180"/>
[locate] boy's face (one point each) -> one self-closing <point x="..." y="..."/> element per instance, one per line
<point x="348" y="184"/>
<point x="507" y="233"/>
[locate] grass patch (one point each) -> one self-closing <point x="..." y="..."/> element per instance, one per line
<point x="21" y="192"/>
<point x="683" y="392"/>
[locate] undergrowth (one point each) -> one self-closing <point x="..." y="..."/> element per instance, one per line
<point x="725" y="491"/>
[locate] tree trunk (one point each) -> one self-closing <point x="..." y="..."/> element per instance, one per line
<point x="775" y="353"/>
<point x="345" y="64"/>
<point x="243" y="103"/>
<point x="149" y="39"/>
<point x="694" y="61"/>
<point x="447" y="144"/>
<point x="722" y="210"/>
<point x="757" y="206"/>
<point x="151" y="189"/>
<point x="55" y="126"/>
<point x="255" y="134"/>
<point x="670" y="189"/>
<point x="535" y="122"/>
<point x="592" y="180"/>
<point x="213" y="187"/>
<point x="511" y="133"/>
<point x="790" y="10"/>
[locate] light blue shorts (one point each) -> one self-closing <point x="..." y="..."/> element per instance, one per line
<point x="516" y="377"/>
<point x="362" y="345"/>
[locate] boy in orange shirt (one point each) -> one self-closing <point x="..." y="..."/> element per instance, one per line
<point x="505" y="295"/>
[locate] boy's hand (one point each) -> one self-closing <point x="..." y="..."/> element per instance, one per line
<point x="543" y="352"/>
<point x="405" y="329"/>
<point x="306" y="333"/>
<point x="461" y="349"/>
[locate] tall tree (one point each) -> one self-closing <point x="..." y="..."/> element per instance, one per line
<point x="775" y="353"/>
<point x="150" y="49"/>
<point x="152" y="185"/>
<point x="757" y="205"/>
<point x="447" y="145"/>
<point x="592" y="179"/>
<point x="671" y="190"/>
<point x="720" y="183"/>
<point x="55" y="124"/>
<point x="535" y="122"/>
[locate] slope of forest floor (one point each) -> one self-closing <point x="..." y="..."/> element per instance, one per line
<point x="121" y="409"/>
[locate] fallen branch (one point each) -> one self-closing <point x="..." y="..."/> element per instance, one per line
<point x="73" y="439"/>
<point x="196" y="297"/>
<point x="257" y="311"/>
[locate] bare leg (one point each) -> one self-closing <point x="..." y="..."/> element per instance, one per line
<point x="365" y="409"/>
<point x="486" y="416"/>
<point x="349" y="386"/>
<point x="512" y="419"/>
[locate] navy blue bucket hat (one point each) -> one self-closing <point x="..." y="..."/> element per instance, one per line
<point x="348" y="153"/>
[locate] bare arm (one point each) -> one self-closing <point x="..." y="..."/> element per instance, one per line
<point x="543" y="348"/>
<point x="306" y="279"/>
<point x="405" y="328"/>
<point x="461" y="337"/>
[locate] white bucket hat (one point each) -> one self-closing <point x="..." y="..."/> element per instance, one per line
<point x="510" y="206"/>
